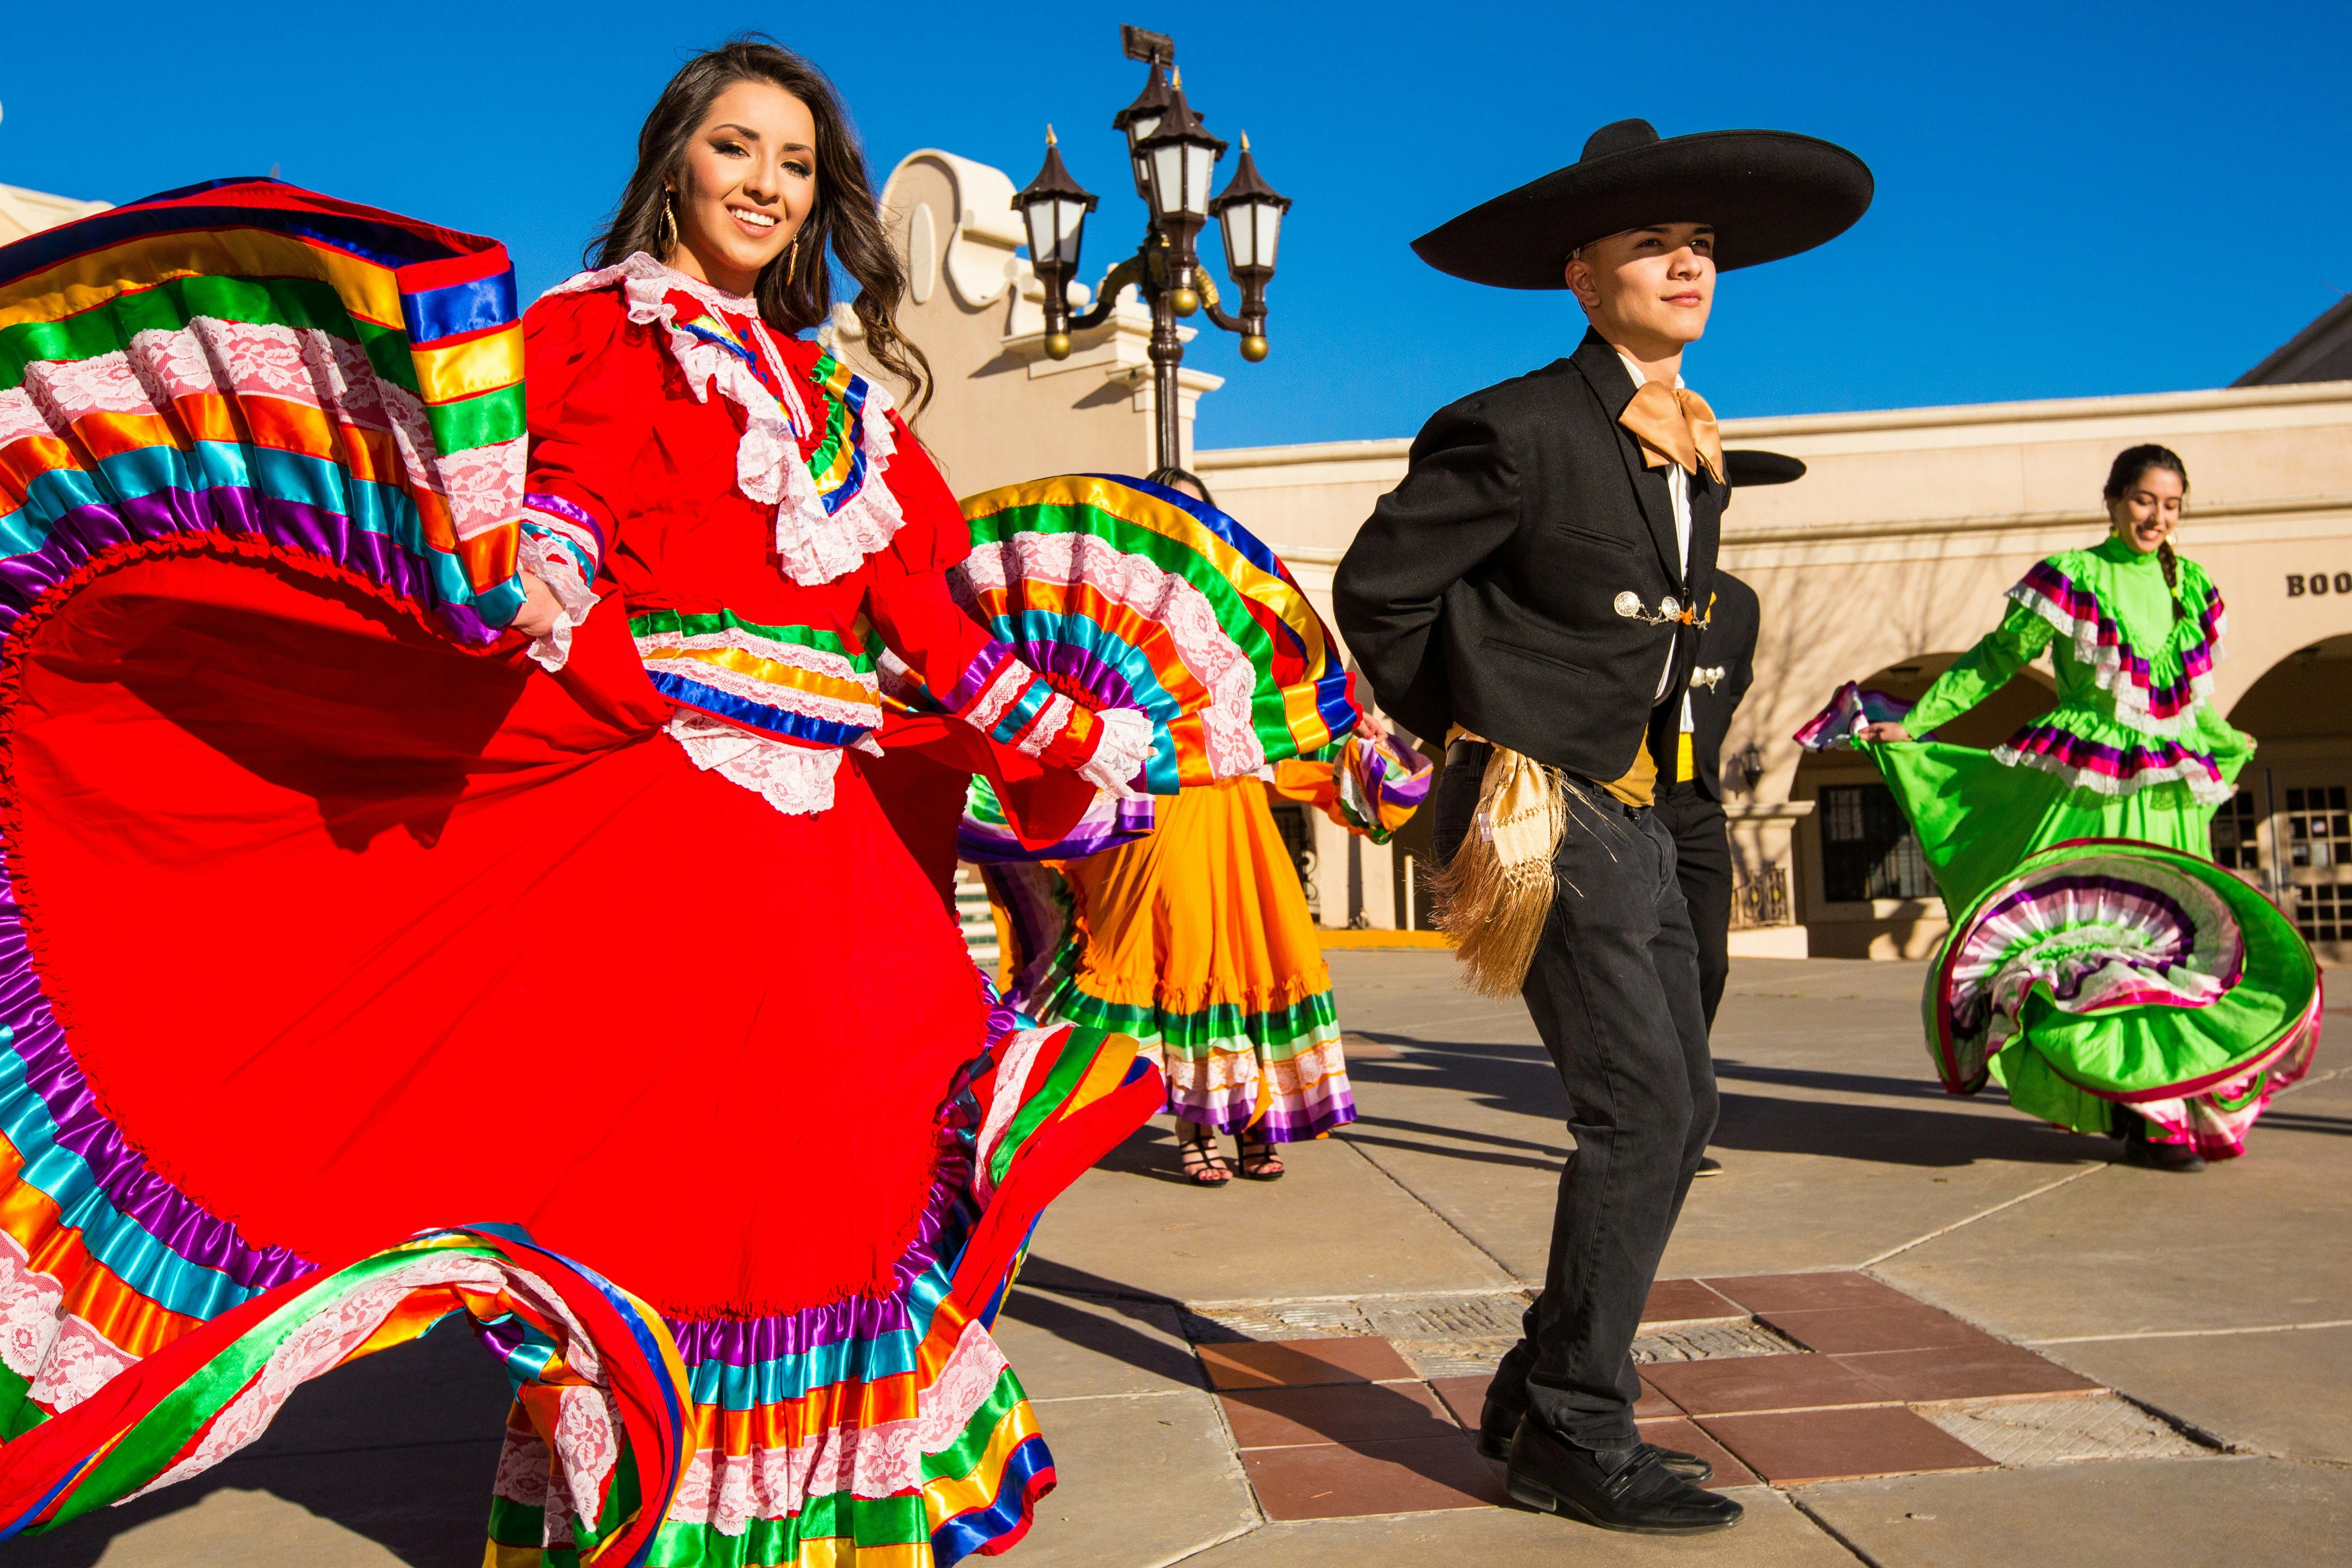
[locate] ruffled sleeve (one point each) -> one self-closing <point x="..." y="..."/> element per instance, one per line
<point x="965" y="670"/>
<point x="589" y="387"/>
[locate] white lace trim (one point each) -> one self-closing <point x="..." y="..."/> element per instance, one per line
<point x="548" y="561"/>
<point x="795" y="780"/>
<point x="2202" y="785"/>
<point x="813" y="546"/>
<point x="2105" y="663"/>
<point x="1128" y="735"/>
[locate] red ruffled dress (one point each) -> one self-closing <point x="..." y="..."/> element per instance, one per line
<point x="611" y="946"/>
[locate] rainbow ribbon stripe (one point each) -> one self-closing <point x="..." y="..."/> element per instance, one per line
<point x="250" y="359"/>
<point x="612" y="1437"/>
<point x="1126" y="594"/>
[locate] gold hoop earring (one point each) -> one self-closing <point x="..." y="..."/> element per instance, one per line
<point x="666" y="236"/>
<point x="792" y="259"/>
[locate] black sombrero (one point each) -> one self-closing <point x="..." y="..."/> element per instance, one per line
<point x="1768" y="193"/>
<point x="1749" y="466"/>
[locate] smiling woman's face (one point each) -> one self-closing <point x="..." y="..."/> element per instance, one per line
<point x="2147" y="511"/>
<point x="1648" y="288"/>
<point x="745" y="186"/>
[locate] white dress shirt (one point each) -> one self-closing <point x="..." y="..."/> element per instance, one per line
<point x="1678" y="490"/>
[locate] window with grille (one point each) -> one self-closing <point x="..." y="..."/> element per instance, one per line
<point x="2318" y="827"/>
<point x="2323" y="912"/>
<point x="2237" y="841"/>
<point x="1868" y="851"/>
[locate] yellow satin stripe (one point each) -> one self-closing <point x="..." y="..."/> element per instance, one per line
<point x="947" y="1496"/>
<point x="80" y="283"/>
<point x="1105" y="1073"/>
<point x="496" y="1556"/>
<point x="769" y="672"/>
<point x="842" y="1551"/>
<point x="469" y="369"/>
<point x="1686" y="766"/>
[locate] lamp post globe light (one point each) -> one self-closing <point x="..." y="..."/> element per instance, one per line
<point x="1053" y="210"/>
<point x="1173" y="158"/>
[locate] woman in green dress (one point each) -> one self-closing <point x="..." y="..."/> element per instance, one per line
<point x="2100" y="966"/>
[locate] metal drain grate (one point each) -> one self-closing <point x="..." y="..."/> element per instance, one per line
<point x="1711" y="1341"/>
<point x="2059" y="1431"/>
<point x="1448" y="1317"/>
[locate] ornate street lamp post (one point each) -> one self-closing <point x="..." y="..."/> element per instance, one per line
<point x="1173" y="158"/>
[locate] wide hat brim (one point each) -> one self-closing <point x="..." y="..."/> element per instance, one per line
<point x="1744" y="468"/>
<point x="1769" y="194"/>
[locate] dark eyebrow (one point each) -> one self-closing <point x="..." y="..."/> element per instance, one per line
<point x="750" y="135"/>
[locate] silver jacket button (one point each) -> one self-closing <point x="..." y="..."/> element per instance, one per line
<point x="1629" y="604"/>
<point x="1669" y="607"/>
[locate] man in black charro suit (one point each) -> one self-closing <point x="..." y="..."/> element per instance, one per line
<point x="1530" y="590"/>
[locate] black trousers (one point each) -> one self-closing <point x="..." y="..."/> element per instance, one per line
<point x="1703" y="868"/>
<point x="1614" y="994"/>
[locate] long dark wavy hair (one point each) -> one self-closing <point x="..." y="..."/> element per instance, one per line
<point x="2129" y="465"/>
<point x="846" y="216"/>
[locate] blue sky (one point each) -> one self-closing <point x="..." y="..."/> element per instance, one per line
<point x="2073" y="199"/>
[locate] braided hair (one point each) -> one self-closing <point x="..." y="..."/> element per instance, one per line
<point x="2129" y="466"/>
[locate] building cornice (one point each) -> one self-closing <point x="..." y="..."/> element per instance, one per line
<point x="2045" y="411"/>
<point x="1734" y="536"/>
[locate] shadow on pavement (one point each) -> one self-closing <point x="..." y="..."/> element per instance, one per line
<point x="399" y="1448"/>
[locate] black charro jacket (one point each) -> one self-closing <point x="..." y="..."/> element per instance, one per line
<point x="1728" y="645"/>
<point x="1484" y="589"/>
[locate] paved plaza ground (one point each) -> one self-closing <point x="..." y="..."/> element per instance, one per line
<point x="1912" y="1330"/>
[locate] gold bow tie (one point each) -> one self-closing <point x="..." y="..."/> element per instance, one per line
<point x="1674" y="425"/>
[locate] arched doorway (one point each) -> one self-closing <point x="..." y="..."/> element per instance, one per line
<point x="1864" y="889"/>
<point x="2289" y="828"/>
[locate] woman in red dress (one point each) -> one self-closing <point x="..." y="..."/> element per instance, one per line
<point x="592" y="935"/>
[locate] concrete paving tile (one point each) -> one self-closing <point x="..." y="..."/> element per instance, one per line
<point x="2110" y="1254"/>
<point x="1335" y="1412"/>
<point x="1683" y="1433"/>
<point x="1793" y="1447"/>
<point x="1129" y="1227"/>
<point x="2287" y="1394"/>
<point x="1987" y="1371"/>
<point x="2125" y="1513"/>
<point x="423" y="1504"/>
<point x="1685" y="1300"/>
<point x="1773" y="1535"/>
<point x="1762" y="1383"/>
<point x="1143" y="1479"/>
<point x="1909" y="1327"/>
<point x="1330" y="1481"/>
<point x="1071" y="1346"/>
<point x="1300" y="1364"/>
<point x="1809" y="1292"/>
<point x="230" y="1527"/>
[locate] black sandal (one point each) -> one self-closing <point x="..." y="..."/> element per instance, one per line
<point x="1201" y="1162"/>
<point x="1260" y="1162"/>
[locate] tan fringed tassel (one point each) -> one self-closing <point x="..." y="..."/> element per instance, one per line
<point x="1495" y="895"/>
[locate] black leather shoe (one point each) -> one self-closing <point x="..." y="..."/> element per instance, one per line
<point x="1497" y="1422"/>
<point x="1709" y="1165"/>
<point x="1619" y="1489"/>
<point x="2141" y="1150"/>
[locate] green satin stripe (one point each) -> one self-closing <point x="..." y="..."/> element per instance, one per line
<point x="869" y="1521"/>
<point x="1079" y="1053"/>
<point x="1222" y="1027"/>
<point x="471" y="422"/>
<point x="962" y="1457"/>
<point x="156" y="1440"/>
<point x="18" y="1415"/>
<point x="654" y="623"/>
<point x="1175" y="556"/>
<point x="296" y="302"/>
